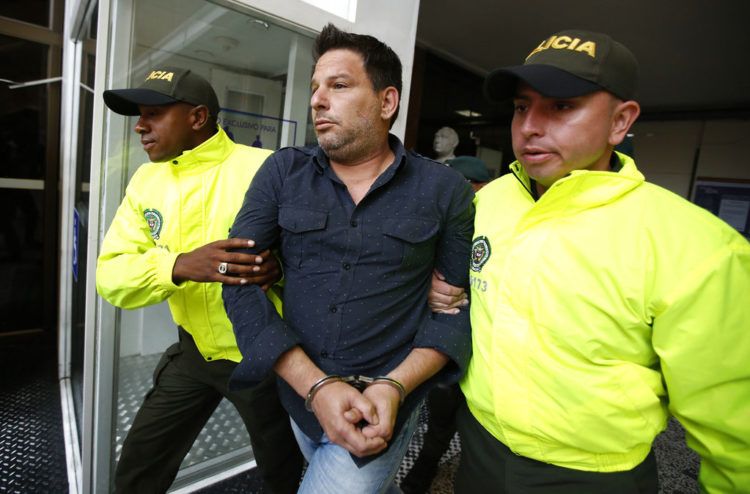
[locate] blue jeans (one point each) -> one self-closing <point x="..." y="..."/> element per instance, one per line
<point x="332" y="470"/>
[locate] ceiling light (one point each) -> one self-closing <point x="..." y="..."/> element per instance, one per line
<point x="258" y="23"/>
<point x="468" y="113"/>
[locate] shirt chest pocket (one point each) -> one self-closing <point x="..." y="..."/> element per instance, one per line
<point x="410" y="242"/>
<point x="301" y="235"/>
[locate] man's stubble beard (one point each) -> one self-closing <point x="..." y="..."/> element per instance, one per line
<point x="346" y="147"/>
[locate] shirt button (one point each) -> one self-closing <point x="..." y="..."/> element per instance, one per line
<point x="324" y="354"/>
<point x="353" y="223"/>
<point x="347" y="266"/>
<point x="333" y="309"/>
<point x="175" y="162"/>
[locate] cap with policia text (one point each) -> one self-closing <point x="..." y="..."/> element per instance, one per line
<point x="568" y="64"/>
<point x="164" y="86"/>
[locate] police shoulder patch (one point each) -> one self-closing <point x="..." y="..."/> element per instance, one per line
<point x="155" y="222"/>
<point x="480" y="253"/>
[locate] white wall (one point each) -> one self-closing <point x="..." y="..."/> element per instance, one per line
<point x="665" y="151"/>
<point x="724" y="150"/>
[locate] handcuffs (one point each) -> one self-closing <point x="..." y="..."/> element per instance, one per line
<point x="360" y="383"/>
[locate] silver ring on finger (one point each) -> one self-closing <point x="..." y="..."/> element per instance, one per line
<point x="223" y="268"/>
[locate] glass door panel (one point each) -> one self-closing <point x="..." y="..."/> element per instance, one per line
<point x="81" y="213"/>
<point x="247" y="60"/>
<point x="31" y="11"/>
<point x="24" y="141"/>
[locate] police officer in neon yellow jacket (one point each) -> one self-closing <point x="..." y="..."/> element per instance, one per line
<point x="600" y="303"/>
<point x="168" y="242"/>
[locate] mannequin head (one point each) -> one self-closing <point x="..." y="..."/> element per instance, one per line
<point x="444" y="144"/>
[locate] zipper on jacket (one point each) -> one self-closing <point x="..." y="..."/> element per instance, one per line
<point x="532" y="191"/>
<point x="615" y="165"/>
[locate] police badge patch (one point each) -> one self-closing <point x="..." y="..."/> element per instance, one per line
<point x="480" y="253"/>
<point x="155" y="221"/>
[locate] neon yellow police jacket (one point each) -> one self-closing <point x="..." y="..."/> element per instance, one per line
<point x="598" y="310"/>
<point x="170" y="208"/>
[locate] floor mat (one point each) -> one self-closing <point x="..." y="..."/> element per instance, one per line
<point x="32" y="451"/>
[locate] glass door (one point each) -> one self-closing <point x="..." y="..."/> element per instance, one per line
<point x="261" y="72"/>
<point x="79" y="216"/>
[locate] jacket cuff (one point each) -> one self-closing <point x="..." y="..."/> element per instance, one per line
<point x="164" y="268"/>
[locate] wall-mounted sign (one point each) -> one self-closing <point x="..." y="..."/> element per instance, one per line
<point x="255" y="130"/>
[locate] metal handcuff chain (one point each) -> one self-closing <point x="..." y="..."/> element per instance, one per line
<point x="358" y="382"/>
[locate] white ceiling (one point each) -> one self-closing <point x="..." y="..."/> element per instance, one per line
<point x="693" y="54"/>
<point x="212" y="34"/>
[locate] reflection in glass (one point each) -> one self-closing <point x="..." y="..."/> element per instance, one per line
<point x="21" y="259"/>
<point x="32" y="11"/>
<point x="23" y="140"/>
<point x="23" y="111"/>
<point x="247" y="63"/>
<point x="81" y="216"/>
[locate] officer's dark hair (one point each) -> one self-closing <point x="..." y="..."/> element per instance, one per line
<point x="381" y="63"/>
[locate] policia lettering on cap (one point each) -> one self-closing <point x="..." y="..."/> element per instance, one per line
<point x="566" y="42"/>
<point x="569" y="64"/>
<point x="164" y="86"/>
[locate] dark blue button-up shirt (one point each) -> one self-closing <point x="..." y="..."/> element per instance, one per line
<point x="356" y="275"/>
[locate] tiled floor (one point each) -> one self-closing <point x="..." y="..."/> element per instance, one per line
<point x="678" y="466"/>
<point x="32" y="452"/>
<point x="223" y="433"/>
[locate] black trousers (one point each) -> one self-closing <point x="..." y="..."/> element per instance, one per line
<point x="185" y="393"/>
<point x="443" y="404"/>
<point x="488" y="466"/>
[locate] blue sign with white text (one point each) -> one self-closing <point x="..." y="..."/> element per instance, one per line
<point x="76" y="223"/>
